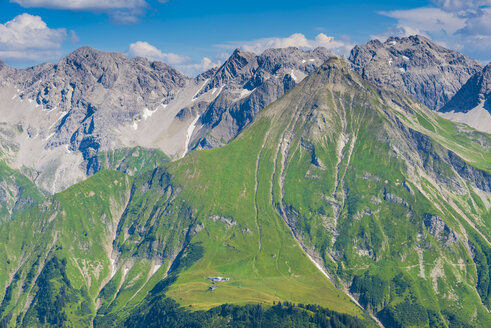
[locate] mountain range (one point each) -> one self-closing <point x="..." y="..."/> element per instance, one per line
<point x="92" y="101"/>
<point x="69" y="114"/>
<point x="320" y="187"/>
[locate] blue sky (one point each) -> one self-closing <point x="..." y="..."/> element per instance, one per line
<point x="195" y="35"/>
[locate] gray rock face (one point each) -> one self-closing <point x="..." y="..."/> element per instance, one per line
<point x="247" y="84"/>
<point x="438" y="159"/>
<point x="476" y="91"/>
<point x="440" y="230"/>
<point x="95" y="92"/>
<point x="421" y="68"/>
<point x="92" y="101"/>
<point x="238" y="69"/>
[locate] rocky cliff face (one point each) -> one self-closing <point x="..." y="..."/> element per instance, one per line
<point x="93" y="101"/>
<point x="94" y="92"/>
<point x="248" y="83"/>
<point x="477" y="90"/>
<point x="415" y="65"/>
<point x="472" y="103"/>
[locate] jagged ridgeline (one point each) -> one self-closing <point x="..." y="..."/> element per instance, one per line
<point x="391" y="201"/>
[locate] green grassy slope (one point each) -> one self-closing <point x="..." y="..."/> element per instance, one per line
<point x="244" y="239"/>
<point x="17" y="192"/>
<point x="386" y="198"/>
<point x="372" y="193"/>
<point x="132" y="161"/>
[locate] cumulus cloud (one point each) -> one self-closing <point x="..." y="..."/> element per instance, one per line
<point x="295" y="40"/>
<point x="145" y="49"/>
<point x="181" y="62"/>
<point x="120" y="11"/>
<point x="74" y="37"/>
<point x="197" y="68"/>
<point x="460" y="24"/>
<point x="82" y="4"/>
<point x="27" y="37"/>
<point x="461" y="5"/>
<point x="431" y="20"/>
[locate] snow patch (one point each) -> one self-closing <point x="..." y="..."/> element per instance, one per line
<point x="156" y="268"/>
<point x="311" y="60"/>
<point x="244" y="93"/>
<point x="125" y="272"/>
<point x="14" y="96"/>
<point x="30" y="101"/>
<point x="214" y="90"/>
<point x="147" y="113"/>
<point x="220" y="91"/>
<point x="390" y="62"/>
<point x="204" y="83"/>
<point x="135" y="125"/>
<point x="405" y="57"/>
<point x="303" y="61"/>
<point x="189" y="134"/>
<point x="294" y="77"/>
<point x="402" y="69"/>
<point x="392" y="43"/>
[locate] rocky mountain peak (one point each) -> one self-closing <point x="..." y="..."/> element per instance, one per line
<point x="87" y="59"/>
<point x="335" y="71"/>
<point x="476" y="92"/>
<point x="486" y="79"/>
<point x="236" y="70"/>
<point x="247" y="83"/>
<point x="238" y="53"/>
<point x="207" y="74"/>
<point x="92" y="94"/>
<point x="272" y="60"/>
<point x="96" y="62"/>
<point x="86" y="52"/>
<point x="413" y="39"/>
<point x="239" y="63"/>
<point x="416" y="65"/>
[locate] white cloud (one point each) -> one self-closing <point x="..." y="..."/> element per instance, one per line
<point x="27" y="37"/>
<point x="464" y="25"/>
<point x="82" y="4"/>
<point x="180" y="62"/>
<point x="431" y="20"/>
<point x="125" y="17"/>
<point x="74" y="37"/>
<point x="295" y="40"/>
<point x="120" y="11"/>
<point x="461" y="5"/>
<point x="145" y="49"/>
<point x="195" y="69"/>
